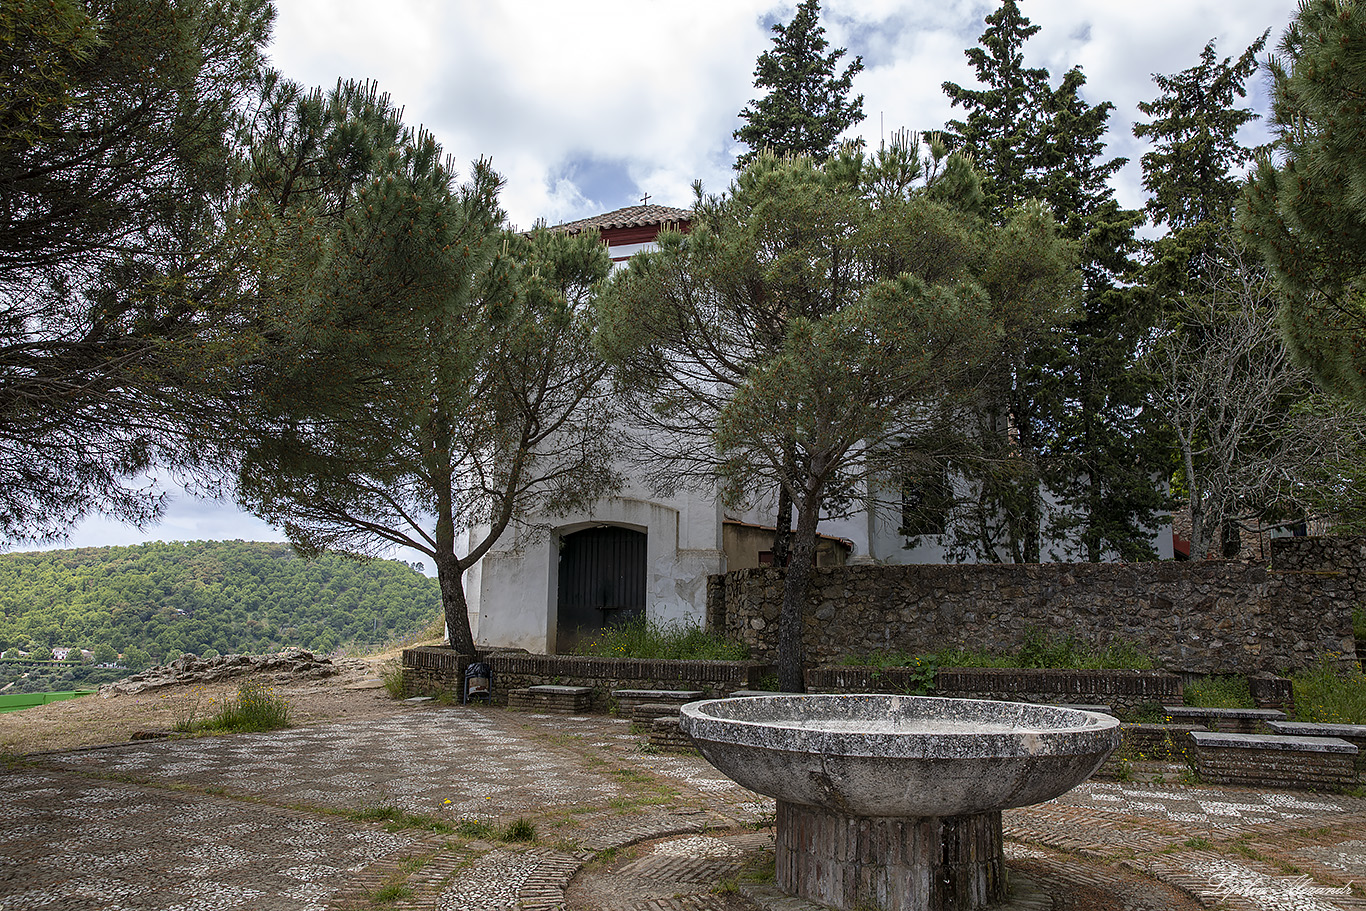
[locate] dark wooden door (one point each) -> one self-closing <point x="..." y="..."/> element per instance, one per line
<point x="602" y="582"/>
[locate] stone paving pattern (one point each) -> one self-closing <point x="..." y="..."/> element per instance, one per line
<point x="261" y="821"/>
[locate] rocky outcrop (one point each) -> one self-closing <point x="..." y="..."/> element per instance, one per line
<point x="292" y="663"/>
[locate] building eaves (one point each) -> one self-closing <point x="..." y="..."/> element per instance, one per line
<point x="629" y="217"/>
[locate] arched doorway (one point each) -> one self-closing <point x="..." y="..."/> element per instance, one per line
<point x="601" y="582"/>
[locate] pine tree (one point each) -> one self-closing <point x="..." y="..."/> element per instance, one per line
<point x="807" y="105"/>
<point x="116" y="152"/>
<point x="1307" y="215"/>
<point x="817" y="320"/>
<point x="1210" y="290"/>
<point x="1073" y="407"/>
<point x="424" y="372"/>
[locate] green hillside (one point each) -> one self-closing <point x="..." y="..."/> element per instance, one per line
<point x="156" y="601"/>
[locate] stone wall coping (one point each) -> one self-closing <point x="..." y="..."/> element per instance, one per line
<point x="1191" y="711"/>
<point x="658" y="694"/>
<point x="1216" y="739"/>
<point x="629" y="668"/>
<point x="556" y="690"/>
<point x="1317" y="729"/>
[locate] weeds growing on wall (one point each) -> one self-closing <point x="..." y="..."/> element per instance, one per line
<point x="1327" y="694"/>
<point x="1038" y="651"/>
<point x="1219" y="693"/>
<point x="644" y="639"/>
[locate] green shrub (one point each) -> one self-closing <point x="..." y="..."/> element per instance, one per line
<point x="1359" y="622"/>
<point x="1219" y="693"/>
<point x="256" y="708"/>
<point x="1327" y="694"/>
<point x="644" y="639"/>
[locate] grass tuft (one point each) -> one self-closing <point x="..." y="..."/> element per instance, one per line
<point x="391" y="674"/>
<point x="1219" y="693"/>
<point x="256" y="708"/>
<point x="645" y="639"/>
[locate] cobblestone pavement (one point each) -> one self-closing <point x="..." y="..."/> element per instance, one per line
<point x="410" y="811"/>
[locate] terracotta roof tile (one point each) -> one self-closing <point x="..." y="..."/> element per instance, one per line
<point x="629" y="217"/>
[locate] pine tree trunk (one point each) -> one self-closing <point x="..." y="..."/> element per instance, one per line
<point x="450" y="577"/>
<point x="791" y="646"/>
<point x="782" y="534"/>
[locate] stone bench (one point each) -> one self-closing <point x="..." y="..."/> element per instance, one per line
<point x="744" y="693"/>
<point x="665" y="734"/>
<point x="627" y="700"/>
<point x="1232" y="721"/>
<point x="560" y="700"/>
<point x="646" y="712"/>
<point x="1354" y="734"/>
<point x="1274" y="760"/>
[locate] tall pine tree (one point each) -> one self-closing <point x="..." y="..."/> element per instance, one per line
<point x="1105" y="448"/>
<point x="807" y="105"/>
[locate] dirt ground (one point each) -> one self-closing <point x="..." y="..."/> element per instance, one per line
<point x="353" y="693"/>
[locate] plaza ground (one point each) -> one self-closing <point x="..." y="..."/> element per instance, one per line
<point x="292" y="820"/>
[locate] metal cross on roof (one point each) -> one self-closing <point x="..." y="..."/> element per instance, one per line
<point x="645" y="200"/>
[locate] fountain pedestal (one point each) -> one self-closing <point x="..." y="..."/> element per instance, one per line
<point x="894" y="802"/>
<point x="890" y="863"/>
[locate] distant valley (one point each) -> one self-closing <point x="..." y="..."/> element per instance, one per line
<point x="131" y="607"/>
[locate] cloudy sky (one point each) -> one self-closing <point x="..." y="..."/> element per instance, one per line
<point x="584" y="107"/>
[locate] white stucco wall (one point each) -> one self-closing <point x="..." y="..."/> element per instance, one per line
<point x="519" y="583"/>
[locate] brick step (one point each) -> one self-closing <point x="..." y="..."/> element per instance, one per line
<point x="665" y="734"/>
<point x="647" y="712"/>
<point x="560" y="700"/>
<point x="627" y="700"/>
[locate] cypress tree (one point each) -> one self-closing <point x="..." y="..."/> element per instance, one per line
<point x="807" y="106"/>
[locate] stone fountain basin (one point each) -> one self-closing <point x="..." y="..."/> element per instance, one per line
<point x="900" y="756"/>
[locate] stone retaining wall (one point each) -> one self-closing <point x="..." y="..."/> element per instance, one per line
<point x="433" y="669"/>
<point x="428" y="670"/>
<point x="1211" y="617"/>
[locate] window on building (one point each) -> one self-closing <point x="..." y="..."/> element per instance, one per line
<point x="926" y="499"/>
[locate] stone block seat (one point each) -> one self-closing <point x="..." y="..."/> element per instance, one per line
<point x="1354" y="734"/>
<point x="560" y="700"/>
<point x="646" y="712"/>
<point x="1232" y="721"/>
<point x="627" y="700"/>
<point x="1275" y="760"/>
<point x="665" y="734"/>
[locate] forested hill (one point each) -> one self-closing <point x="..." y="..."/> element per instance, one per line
<point x="159" y="600"/>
